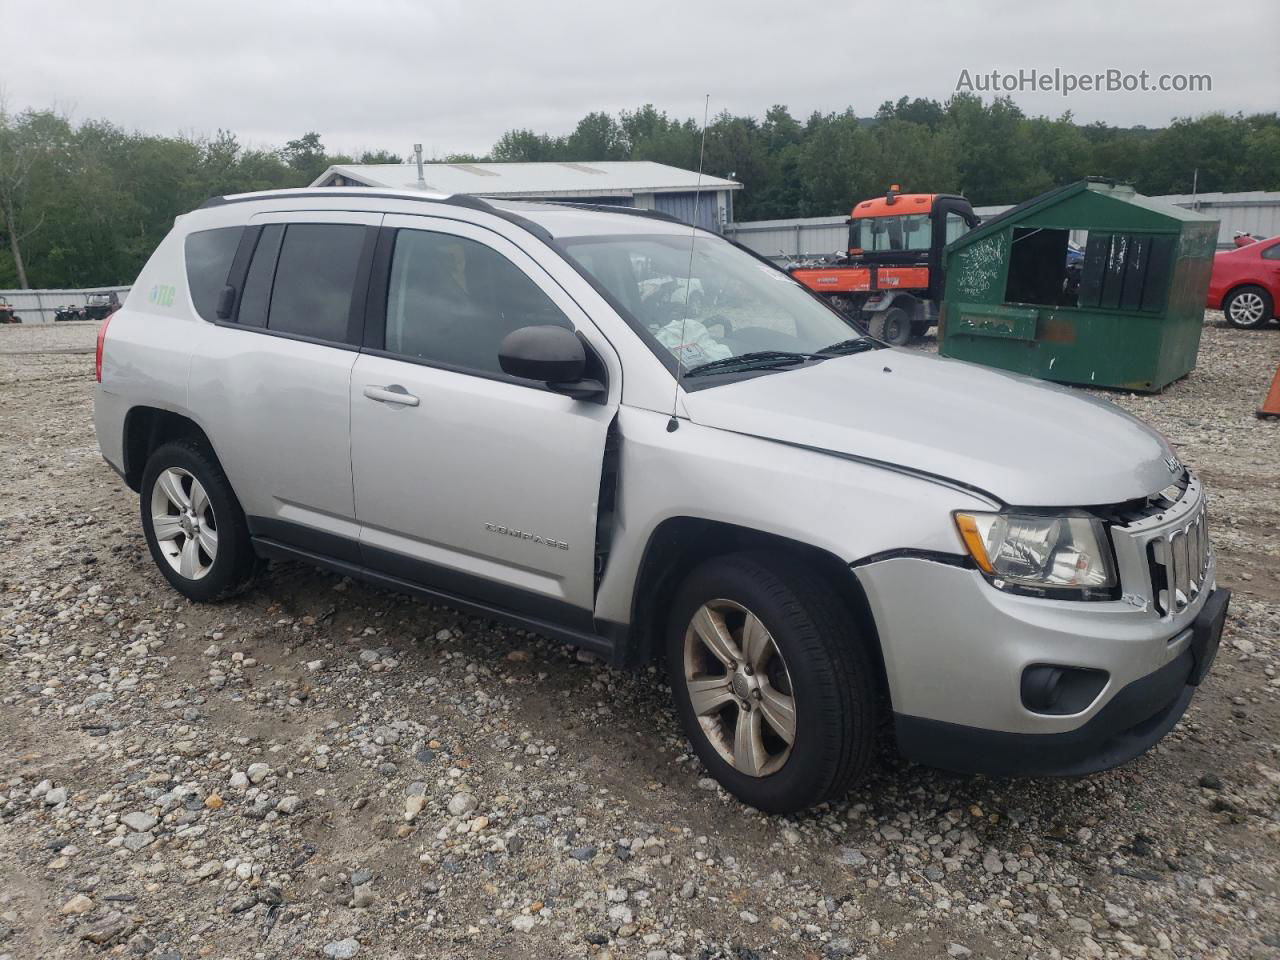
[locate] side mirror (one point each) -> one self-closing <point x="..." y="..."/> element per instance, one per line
<point x="552" y="355"/>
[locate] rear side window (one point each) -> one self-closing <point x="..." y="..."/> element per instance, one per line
<point x="315" y="278"/>
<point x="301" y="279"/>
<point x="209" y="255"/>
<point x="452" y="300"/>
<point x="257" y="285"/>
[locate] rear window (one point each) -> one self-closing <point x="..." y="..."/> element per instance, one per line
<point x="209" y="255"/>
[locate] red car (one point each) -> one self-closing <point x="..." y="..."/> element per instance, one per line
<point x="1245" y="283"/>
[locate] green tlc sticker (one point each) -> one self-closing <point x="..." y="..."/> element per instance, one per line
<point x="161" y="295"/>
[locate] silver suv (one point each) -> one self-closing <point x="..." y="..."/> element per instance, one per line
<point x="521" y="409"/>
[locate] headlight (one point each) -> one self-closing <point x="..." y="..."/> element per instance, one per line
<point x="1049" y="552"/>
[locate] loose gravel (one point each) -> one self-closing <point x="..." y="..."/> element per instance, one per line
<point x="321" y="769"/>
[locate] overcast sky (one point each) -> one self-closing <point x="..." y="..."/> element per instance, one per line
<point x="455" y="75"/>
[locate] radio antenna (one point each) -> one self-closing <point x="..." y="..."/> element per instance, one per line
<point x="674" y="423"/>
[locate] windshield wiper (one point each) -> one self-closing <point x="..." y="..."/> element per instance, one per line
<point x="756" y="360"/>
<point x="846" y="347"/>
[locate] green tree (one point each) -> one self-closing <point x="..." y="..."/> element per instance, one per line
<point x="306" y="155"/>
<point x="29" y="144"/>
<point x="596" y="137"/>
<point x="85" y="205"/>
<point x="928" y="113"/>
<point x="833" y="164"/>
<point x="1262" y="157"/>
<point x="381" y="156"/>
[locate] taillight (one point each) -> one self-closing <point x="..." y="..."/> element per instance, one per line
<point x="102" y="337"/>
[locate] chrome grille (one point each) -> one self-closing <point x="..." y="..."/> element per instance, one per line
<point x="1179" y="559"/>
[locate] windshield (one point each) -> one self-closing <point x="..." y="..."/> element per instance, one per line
<point x="729" y="305"/>
<point x="906" y="232"/>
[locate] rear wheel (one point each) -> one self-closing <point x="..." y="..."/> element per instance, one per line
<point x="892" y="326"/>
<point x="772" y="683"/>
<point x="193" y="523"/>
<point x="1248" y="308"/>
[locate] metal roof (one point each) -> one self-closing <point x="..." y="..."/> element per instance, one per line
<point x="621" y="178"/>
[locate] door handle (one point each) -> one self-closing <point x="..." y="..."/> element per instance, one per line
<point x="392" y="393"/>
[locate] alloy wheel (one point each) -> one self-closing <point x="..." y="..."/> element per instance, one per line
<point x="183" y="522"/>
<point x="1247" y="309"/>
<point x="740" y="688"/>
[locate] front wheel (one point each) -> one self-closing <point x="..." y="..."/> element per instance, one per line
<point x="772" y="683"/>
<point x="193" y="523"/>
<point x="1248" y="308"/>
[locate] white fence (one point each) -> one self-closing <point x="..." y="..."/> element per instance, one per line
<point x="39" y="306"/>
<point x="1256" y="212"/>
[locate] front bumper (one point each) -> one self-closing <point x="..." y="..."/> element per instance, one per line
<point x="955" y="651"/>
<point x="1131" y="722"/>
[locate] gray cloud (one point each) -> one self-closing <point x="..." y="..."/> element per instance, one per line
<point x="455" y="75"/>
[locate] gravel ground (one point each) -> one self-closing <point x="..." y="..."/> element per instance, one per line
<point x="320" y="769"/>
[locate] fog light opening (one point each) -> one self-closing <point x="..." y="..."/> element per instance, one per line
<point x="1059" y="690"/>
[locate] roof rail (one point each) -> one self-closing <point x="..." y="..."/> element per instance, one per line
<point x="456" y="200"/>
<point x="625" y="211"/>
<point x="476" y="203"/>
<point x="287" y="194"/>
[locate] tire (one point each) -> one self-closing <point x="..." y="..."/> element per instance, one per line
<point x="206" y="555"/>
<point x="893" y="326"/>
<point x="812" y="652"/>
<point x="1248" y="308"/>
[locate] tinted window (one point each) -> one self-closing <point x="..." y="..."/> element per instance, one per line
<point x="452" y="300"/>
<point x="1272" y="252"/>
<point x="315" y="277"/>
<point x="209" y="256"/>
<point x="257" y="285"/>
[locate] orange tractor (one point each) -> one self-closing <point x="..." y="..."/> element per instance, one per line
<point x="891" y="278"/>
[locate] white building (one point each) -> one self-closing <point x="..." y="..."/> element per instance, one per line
<point x="634" y="183"/>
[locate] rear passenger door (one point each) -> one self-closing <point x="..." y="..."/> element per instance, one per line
<point x="273" y="377"/>
<point x="480" y="484"/>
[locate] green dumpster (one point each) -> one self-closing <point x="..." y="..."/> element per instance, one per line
<point x="1090" y="283"/>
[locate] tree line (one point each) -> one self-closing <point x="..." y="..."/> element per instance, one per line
<point x="85" y="204"/>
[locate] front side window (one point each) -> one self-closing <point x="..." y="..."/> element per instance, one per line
<point x="956" y="227"/>
<point x="451" y="301"/>
<point x="717" y="304"/>
<point x="209" y="254"/>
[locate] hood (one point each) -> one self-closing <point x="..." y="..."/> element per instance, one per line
<point x="1027" y="442"/>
